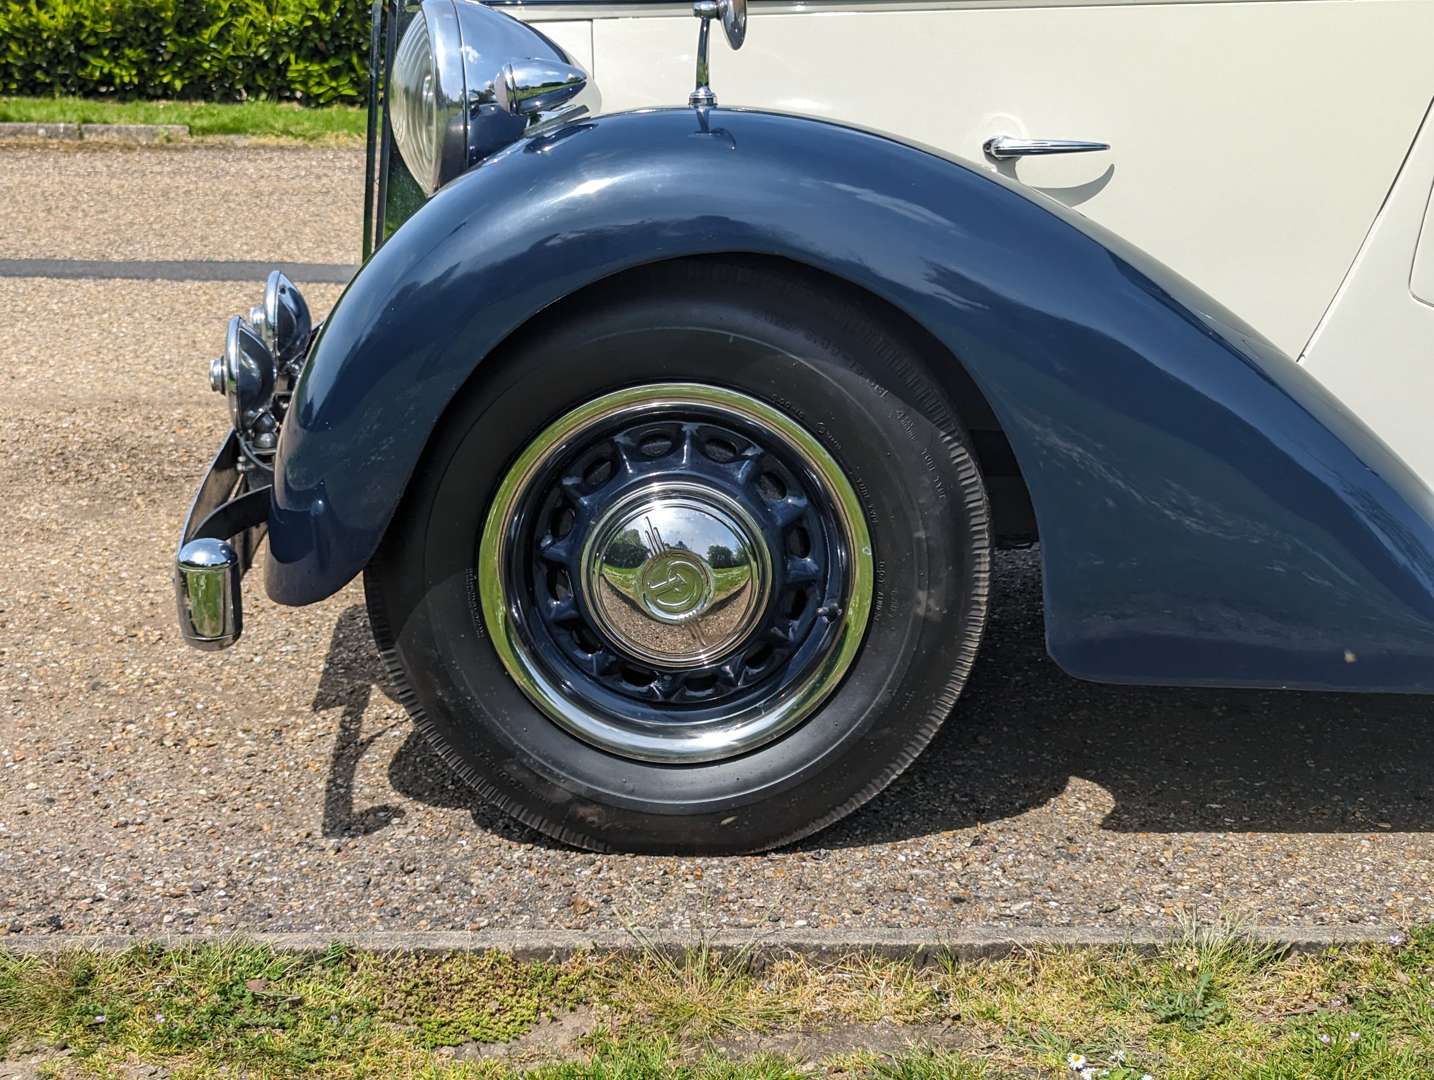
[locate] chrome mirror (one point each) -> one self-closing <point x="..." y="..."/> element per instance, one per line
<point x="733" y="15"/>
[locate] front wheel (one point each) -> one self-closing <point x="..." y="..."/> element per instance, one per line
<point x="698" y="564"/>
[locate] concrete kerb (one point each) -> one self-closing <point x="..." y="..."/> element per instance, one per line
<point x="122" y="133"/>
<point x="919" y="946"/>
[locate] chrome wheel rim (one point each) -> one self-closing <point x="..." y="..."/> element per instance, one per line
<point x="675" y="573"/>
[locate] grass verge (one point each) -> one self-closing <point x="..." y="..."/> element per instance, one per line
<point x="261" y="119"/>
<point x="1214" y="1004"/>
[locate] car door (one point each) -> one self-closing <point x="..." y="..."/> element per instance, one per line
<point x="1251" y="143"/>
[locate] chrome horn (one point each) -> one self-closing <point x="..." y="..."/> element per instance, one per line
<point x="245" y="373"/>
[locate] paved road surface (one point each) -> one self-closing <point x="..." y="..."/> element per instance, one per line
<point x="277" y="786"/>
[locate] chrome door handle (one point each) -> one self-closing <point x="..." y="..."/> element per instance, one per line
<point x="1005" y="147"/>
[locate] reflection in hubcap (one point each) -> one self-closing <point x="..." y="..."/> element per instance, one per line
<point x="676" y="575"/>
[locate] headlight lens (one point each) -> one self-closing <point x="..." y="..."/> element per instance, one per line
<point x="467" y="81"/>
<point x="413" y="107"/>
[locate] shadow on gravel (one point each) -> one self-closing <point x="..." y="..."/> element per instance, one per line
<point x="352" y="673"/>
<point x="1172" y="760"/>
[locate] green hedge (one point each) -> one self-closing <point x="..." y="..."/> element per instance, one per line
<point x="314" y="51"/>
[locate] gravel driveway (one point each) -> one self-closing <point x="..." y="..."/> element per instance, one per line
<point x="276" y="786"/>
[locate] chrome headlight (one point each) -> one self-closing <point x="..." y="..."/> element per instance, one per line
<point x="468" y="81"/>
<point x="419" y="123"/>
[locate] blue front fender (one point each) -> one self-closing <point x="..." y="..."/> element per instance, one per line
<point x="1208" y="513"/>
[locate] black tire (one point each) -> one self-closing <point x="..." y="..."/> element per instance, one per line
<point x="829" y="358"/>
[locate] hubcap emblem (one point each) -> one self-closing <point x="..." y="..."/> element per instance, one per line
<point x="676" y="576"/>
<point x="675" y="586"/>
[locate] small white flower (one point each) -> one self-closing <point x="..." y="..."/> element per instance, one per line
<point x="1324" y="1038"/>
<point x="1087" y="1073"/>
<point x="1354" y="1036"/>
<point x="1147" y="1076"/>
<point x="1397" y="939"/>
<point x="1076" y="1062"/>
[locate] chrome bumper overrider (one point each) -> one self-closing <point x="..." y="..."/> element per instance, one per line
<point x="264" y="354"/>
<point x="226" y="521"/>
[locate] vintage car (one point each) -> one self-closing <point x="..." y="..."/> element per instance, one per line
<point x="673" y="439"/>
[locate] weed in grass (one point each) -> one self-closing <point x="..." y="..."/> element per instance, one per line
<point x="277" y="1013"/>
<point x="237" y="1006"/>
<point x="473" y="997"/>
<point x="1116" y="1068"/>
<point x="1210" y="963"/>
<point x="1222" y="943"/>
<point x="703" y="993"/>
<point x="1041" y="1004"/>
<point x="856" y="989"/>
<point x="72" y="997"/>
<point x="1331" y="1048"/>
<point x="1194" y="1008"/>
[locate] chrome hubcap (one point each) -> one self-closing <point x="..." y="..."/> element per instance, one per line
<point x="676" y="575"/>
